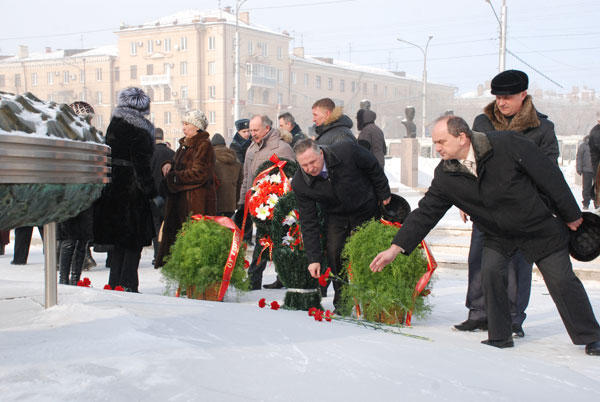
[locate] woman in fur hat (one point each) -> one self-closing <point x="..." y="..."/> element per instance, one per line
<point x="190" y="180"/>
<point x="122" y="215"/>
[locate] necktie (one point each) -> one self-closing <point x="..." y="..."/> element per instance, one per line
<point x="324" y="174"/>
<point x="470" y="165"/>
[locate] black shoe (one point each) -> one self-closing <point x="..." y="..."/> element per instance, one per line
<point x="593" y="348"/>
<point x="471" y="325"/>
<point x="517" y="330"/>
<point x="18" y="263"/>
<point x="501" y="344"/>
<point x="323" y="292"/>
<point x="275" y="285"/>
<point x="255" y="286"/>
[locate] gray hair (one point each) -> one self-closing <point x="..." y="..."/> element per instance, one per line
<point x="264" y="119"/>
<point x="305" y="144"/>
<point x="287" y="116"/>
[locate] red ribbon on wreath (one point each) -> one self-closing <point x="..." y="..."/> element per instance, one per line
<point x="233" y="251"/>
<point x="267" y="243"/>
<point x="424" y="280"/>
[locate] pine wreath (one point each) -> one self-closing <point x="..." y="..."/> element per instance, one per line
<point x="289" y="256"/>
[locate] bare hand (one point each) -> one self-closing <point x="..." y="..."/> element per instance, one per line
<point x="387" y="200"/>
<point x="315" y="270"/>
<point x="575" y="224"/>
<point x="463" y="216"/>
<point x="166" y="169"/>
<point x="384" y="258"/>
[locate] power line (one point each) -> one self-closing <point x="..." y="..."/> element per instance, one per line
<point x="56" y="35"/>
<point x="300" y="5"/>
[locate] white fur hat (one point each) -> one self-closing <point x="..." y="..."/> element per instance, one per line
<point x="196" y="118"/>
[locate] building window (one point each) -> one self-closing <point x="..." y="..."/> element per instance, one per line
<point x="265" y="50"/>
<point x="99" y="121"/>
<point x="265" y="97"/>
<point x="212" y="68"/>
<point x="279" y="76"/>
<point x="150" y="93"/>
<point x="212" y="117"/>
<point x="150" y="47"/>
<point x="293" y="77"/>
<point x="17" y="80"/>
<point x="279" y="98"/>
<point x="167" y="43"/>
<point x="167" y="94"/>
<point x="99" y="97"/>
<point x="133" y="72"/>
<point x="353" y="86"/>
<point x="117" y="74"/>
<point x="212" y="92"/>
<point x="34" y="80"/>
<point x="98" y="74"/>
<point x="183" y="43"/>
<point x="184" y="92"/>
<point x="318" y="81"/>
<point x="342" y="85"/>
<point x="65" y="77"/>
<point x="167" y="68"/>
<point x="330" y="83"/>
<point x="374" y="89"/>
<point x="365" y="91"/>
<point x="212" y="43"/>
<point x="133" y="49"/>
<point x="251" y="95"/>
<point x="306" y="79"/>
<point x="167" y="117"/>
<point x="250" y="47"/>
<point x="149" y="69"/>
<point x="279" y="53"/>
<point x="3" y="80"/>
<point x="183" y="68"/>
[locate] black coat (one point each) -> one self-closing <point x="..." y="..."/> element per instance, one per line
<point x="162" y="153"/>
<point x="240" y="145"/>
<point x="122" y="215"/>
<point x="355" y="186"/>
<point x="338" y="127"/>
<point x="297" y="135"/>
<point x="371" y="134"/>
<point x="595" y="146"/>
<point x="511" y="201"/>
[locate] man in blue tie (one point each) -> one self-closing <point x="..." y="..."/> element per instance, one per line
<point x="348" y="184"/>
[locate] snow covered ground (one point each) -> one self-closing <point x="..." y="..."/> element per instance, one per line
<point x="99" y="345"/>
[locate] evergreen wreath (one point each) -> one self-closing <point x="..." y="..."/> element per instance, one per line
<point x="198" y="258"/>
<point x="289" y="256"/>
<point x="389" y="294"/>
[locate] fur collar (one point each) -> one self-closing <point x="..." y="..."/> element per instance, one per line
<point x="482" y="149"/>
<point x="526" y="117"/>
<point x="195" y="140"/>
<point x="134" y="117"/>
<point x="335" y="115"/>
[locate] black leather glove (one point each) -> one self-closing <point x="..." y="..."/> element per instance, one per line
<point x="238" y="218"/>
<point x="158" y="202"/>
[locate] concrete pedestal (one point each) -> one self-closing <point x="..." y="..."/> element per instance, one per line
<point x="409" y="154"/>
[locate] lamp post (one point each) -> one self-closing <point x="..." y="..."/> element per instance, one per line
<point x="502" y="24"/>
<point x="236" y="69"/>
<point x="424" y="51"/>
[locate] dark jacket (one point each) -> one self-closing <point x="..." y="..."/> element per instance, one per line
<point x="355" y="186"/>
<point x="338" y="127"/>
<point x="230" y="176"/>
<point x="511" y="200"/>
<point x="528" y="121"/>
<point x="595" y="146"/>
<point x="371" y="134"/>
<point x="191" y="187"/>
<point x="122" y="215"/>
<point x="584" y="159"/>
<point x="240" y="145"/>
<point x="162" y="154"/>
<point x="297" y="135"/>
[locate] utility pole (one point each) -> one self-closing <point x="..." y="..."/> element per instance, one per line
<point x="236" y="70"/>
<point x="502" y="66"/>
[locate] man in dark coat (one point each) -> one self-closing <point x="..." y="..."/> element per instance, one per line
<point x="371" y="136"/>
<point x="512" y="110"/>
<point x="241" y="140"/>
<point x="584" y="168"/>
<point x="162" y="153"/>
<point x="519" y="200"/>
<point x="348" y="184"/>
<point x="595" y="155"/>
<point x="122" y="215"/>
<point x="332" y="125"/>
<point x="287" y="123"/>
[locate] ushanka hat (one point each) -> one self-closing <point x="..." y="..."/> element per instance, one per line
<point x="397" y="210"/>
<point x="242" y="124"/>
<point x="196" y="118"/>
<point x="509" y="82"/>
<point x="584" y="244"/>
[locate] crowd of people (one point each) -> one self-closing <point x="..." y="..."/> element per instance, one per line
<point x="502" y="174"/>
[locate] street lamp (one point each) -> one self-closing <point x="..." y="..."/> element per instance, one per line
<point x="424" y="51"/>
<point x="236" y="70"/>
<point x="502" y="24"/>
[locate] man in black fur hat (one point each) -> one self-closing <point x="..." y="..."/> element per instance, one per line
<point x="513" y="110"/>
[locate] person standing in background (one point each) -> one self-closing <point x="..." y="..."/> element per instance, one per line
<point x="230" y="175"/>
<point x="586" y="171"/>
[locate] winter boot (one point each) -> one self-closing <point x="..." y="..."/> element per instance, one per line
<point x="78" y="261"/>
<point x="67" y="248"/>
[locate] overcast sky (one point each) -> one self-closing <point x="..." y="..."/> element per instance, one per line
<point x="560" y="39"/>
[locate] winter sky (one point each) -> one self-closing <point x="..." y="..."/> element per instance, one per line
<point x="560" y="38"/>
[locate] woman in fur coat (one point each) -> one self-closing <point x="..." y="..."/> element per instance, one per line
<point x="122" y="215"/>
<point x="190" y="179"/>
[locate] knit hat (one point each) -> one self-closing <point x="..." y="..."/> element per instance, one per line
<point x="196" y="118"/>
<point x="135" y="98"/>
<point x="242" y="124"/>
<point x="217" y="139"/>
<point x="509" y="82"/>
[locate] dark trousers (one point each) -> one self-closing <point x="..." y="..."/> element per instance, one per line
<point x="519" y="283"/>
<point x="587" y="191"/>
<point x="22" y="243"/>
<point x="565" y="288"/>
<point x="256" y="269"/>
<point x="124" y="268"/>
<point x="72" y="257"/>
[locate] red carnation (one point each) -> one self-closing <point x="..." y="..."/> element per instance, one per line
<point x="275" y="305"/>
<point x="107" y="287"/>
<point x="85" y="282"/>
<point x="319" y="315"/>
<point x="246" y="264"/>
<point x="311" y="311"/>
<point x="328" y="315"/>
<point x="262" y="302"/>
<point x="119" y="288"/>
<point x="323" y="278"/>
